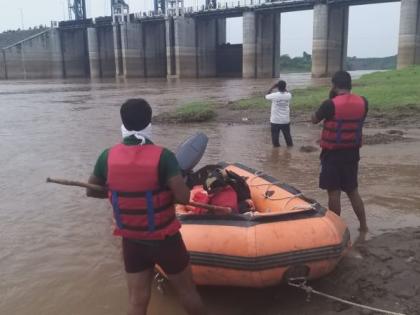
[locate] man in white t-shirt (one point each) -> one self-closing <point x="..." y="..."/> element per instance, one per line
<point x="280" y="113"/>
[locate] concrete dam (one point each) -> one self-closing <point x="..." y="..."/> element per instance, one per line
<point x="193" y="43"/>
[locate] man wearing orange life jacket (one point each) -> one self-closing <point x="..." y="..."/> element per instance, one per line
<point x="144" y="181"/>
<point x="343" y="115"/>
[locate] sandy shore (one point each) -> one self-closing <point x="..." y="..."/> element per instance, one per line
<point x="383" y="272"/>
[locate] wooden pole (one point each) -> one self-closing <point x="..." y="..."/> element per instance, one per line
<point x="216" y="209"/>
<point x="76" y="183"/>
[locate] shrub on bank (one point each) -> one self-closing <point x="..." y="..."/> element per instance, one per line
<point x="253" y="102"/>
<point x="198" y="111"/>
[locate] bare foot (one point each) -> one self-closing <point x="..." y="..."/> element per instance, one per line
<point x="361" y="238"/>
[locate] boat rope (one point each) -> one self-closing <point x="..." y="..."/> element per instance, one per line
<point x="312" y="206"/>
<point x="301" y="284"/>
<point x="266" y="194"/>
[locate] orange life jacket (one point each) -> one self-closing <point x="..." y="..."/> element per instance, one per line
<point x="142" y="208"/>
<point x="344" y="130"/>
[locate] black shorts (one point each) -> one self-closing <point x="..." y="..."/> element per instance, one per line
<point x="336" y="175"/>
<point x="170" y="254"/>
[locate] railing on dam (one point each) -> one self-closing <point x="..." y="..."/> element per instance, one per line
<point x="236" y="8"/>
<point x="229" y="8"/>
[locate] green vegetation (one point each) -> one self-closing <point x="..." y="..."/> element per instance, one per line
<point x="391" y="89"/>
<point x="255" y="102"/>
<point x="198" y="111"/>
<point x="385" y="90"/>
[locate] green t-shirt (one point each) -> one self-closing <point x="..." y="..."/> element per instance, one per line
<point x="168" y="164"/>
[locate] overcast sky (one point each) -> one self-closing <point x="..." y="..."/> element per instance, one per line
<point x="373" y="29"/>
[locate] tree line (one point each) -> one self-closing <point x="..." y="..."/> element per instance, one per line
<point x="304" y="63"/>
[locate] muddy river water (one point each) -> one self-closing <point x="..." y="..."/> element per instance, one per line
<point x="57" y="255"/>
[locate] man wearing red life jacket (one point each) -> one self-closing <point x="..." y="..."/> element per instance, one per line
<point x="343" y="115"/>
<point x="144" y="181"/>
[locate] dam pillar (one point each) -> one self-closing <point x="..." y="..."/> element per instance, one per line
<point x="185" y="50"/>
<point x="94" y="63"/>
<point x="249" y="45"/>
<point x="261" y="45"/>
<point x="409" y="35"/>
<point x="329" y="47"/>
<point x="117" y="44"/>
<point x="170" y="47"/>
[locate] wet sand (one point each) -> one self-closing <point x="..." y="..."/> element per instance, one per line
<point x="57" y="255"/>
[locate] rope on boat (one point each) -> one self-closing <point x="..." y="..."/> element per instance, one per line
<point x="266" y="195"/>
<point x="312" y="206"/>
<point x="301" y="284"/>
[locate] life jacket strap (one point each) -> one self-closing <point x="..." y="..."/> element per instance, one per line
<point x="338" y="133"/>
<point x="139" y="194"/>
<point x="150" y="211"/>
<point x="116" y="208"/>
<point x="144" y="211"/>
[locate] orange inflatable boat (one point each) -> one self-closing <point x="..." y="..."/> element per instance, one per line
<point x="288" y="236"/>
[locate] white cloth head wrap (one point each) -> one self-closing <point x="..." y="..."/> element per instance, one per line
<point x="141" y="134"/>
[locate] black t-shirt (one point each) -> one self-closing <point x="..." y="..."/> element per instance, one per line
<point x="327" y="111"/>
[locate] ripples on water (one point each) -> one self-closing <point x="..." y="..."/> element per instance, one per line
<point x="57" y="255"/>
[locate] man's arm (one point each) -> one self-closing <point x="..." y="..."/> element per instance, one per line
<point x="99" y="176"/>
<point x="325" y="111"/>
<point x="170" y="175"/>
<point x="366" y="105"/>
<point x="95" y="193"/>
<point x="315" y="119"/>
<point x="271" y="88"/>
<point x="271" y="96"/>
<point x="180" y="190"/>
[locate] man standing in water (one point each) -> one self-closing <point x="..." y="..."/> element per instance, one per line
<point x="280" y="113"/>
<point x="144" y="181"/>
<point x="343" y="115"/>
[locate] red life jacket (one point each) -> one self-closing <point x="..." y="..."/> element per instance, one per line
<point x="226" y="197"/>
<point x="142" y="208"/>
<point x="344" y="130"/>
